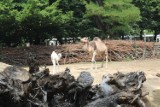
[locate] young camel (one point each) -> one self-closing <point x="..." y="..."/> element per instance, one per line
<point x="96" y="46"/>
<point x="55" y="60"/>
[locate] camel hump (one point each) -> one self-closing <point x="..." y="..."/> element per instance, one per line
<point x="96" y="39"/>
<point x="100" y="45"/>
<point x="93" y="45"/>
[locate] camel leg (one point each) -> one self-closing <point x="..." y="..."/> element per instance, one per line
<point x="106" y="57"/>
<point x="102" y="61"/>
<point x="57" y="66"/>
<point x="94" y="65"/>
<point x="54" y="66"/>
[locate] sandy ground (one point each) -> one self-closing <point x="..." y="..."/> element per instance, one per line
<point x="150" y="66"/>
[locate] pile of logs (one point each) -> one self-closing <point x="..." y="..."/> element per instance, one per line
<point x="41" y="89"/>
<point x="73" y="53"/>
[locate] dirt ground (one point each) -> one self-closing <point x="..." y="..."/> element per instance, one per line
<point x="150" y="66"/>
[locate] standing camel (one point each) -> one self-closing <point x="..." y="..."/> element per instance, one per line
<point x="55" y="60"/>
<point x="96" y="46"/>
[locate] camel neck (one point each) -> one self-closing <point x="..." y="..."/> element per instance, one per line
<point x="87" y="43"/>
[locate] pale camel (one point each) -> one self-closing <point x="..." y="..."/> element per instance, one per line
<point x="96" y="46"/>
<point x="55" y="60"/>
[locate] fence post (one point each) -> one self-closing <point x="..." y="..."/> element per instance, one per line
<point x="144" y="51"/>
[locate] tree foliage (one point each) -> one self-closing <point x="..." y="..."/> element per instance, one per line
<point x="35" y="20"/>
<point x="114" y="17"/>
<point x="150" y="13"/>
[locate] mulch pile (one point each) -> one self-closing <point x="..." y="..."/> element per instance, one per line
<point x="72" y="53"/>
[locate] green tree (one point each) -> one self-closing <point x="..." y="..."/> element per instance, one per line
<point x="150" y="12"/>
<point x="76" y="24"/>
<point x="8" y="23"/>
<point x="35" y="20"/>
<point x="113" y="17"/>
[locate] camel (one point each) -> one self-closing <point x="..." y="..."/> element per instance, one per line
<point x="55" y="60"/>
<point x="96" y="46"/>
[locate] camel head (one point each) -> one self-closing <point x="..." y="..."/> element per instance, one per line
<point x="84" y="40"/>
<point x="60" y="55"/>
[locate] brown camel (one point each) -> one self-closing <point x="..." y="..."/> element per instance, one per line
<point x="96" y="46"/>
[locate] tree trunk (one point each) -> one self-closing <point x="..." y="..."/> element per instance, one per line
<point x="141" y="35"/>
<point x="37" y="39"/>
<point x="155" y="35"/>
<point x="122" y="37"/>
